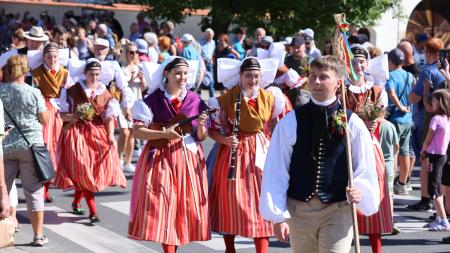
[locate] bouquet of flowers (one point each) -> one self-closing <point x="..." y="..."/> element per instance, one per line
<point x="371" y="111"/>
<point x="339" y="122"/>
<point x="85" y="112"/>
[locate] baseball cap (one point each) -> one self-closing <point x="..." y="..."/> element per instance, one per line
<point x="287" y="41"/>
<point x="101" y="42"/>
<point x="308" y="32"/>
<point x="142" y="45"/>
<point x="187" y="38"/>
<point x="396" y="56"/>
<point x="266" y="40"/>
<point x="297" y="41"/>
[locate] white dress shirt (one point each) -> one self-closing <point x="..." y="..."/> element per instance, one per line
<point x="275" y="181"/>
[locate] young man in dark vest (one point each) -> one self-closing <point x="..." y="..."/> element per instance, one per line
<point x="305" y="183"/>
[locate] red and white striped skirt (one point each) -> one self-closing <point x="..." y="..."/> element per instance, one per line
<point x="52" y="131"/>
<point x="87" y="161"/>
<point x="234" y="204"/>
<point x="169" y="199"/>
<point x="382" y="221"/>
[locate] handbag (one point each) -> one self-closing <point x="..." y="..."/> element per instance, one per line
<point x="41" y="157"/>
<point x="391" y="109"/>
<point x="6" y="232"/>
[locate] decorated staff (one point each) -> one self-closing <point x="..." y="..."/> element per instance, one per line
<point x="305" y="187"/>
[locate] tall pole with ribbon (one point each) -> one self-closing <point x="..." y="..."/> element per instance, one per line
<point x="341" y="49"/>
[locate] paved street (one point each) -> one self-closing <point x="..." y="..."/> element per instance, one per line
<point x="70" y="233"/>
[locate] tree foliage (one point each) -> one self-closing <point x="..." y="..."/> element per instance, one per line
<point x="279" y="18"/>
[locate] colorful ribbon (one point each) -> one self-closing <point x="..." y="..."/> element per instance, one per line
<point x="348" y="55"/>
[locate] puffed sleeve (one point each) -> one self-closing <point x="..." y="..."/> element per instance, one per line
<point x="280" y="101"/>
<point x="215" y="117"/>
<point x="112" y="110"/>
<point x="364" y="168"/>
<point x="141" y="113"/>
<point x="275" y="180"/>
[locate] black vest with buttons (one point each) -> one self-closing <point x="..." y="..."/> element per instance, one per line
<point x="318" y="163"/>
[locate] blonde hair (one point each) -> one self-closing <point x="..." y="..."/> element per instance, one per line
<point x="16" y="67"/>
<point x="164" y="43"/>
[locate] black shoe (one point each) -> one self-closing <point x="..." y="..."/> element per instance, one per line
<point x="77" y="209"/>
<point x="50" y="199"/>
<point x="432" y="217"/>
<point x="93" y="219"/>
<point x="421" y="206"/>
<point x="446" y="240"/>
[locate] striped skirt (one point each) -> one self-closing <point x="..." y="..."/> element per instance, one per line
<point x="169" y="199"/>
<point x="87" y="161"/>
<point x="382" y="221"/>
<point x="234" y="204"/>
<point x="52" y="131"/>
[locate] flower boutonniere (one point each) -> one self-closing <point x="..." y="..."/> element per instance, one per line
<point x="339" y="123"/>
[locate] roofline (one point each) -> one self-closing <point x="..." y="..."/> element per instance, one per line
<point x="114" y="7"/>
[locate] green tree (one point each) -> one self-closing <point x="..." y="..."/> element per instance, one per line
<point x="279" y="18"/>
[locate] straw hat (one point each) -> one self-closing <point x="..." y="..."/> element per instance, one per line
<point x="36" y="33"/>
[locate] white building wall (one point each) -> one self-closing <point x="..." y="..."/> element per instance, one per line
<point x="390" y="30"/>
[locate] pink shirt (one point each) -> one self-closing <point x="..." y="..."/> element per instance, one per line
<point x="440" y="124"/>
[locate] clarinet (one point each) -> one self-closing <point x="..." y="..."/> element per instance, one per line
<point x="237" y="119"/>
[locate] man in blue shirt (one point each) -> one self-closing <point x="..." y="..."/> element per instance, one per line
<point x="398" y="87"/>
<point x="421" y="118"/>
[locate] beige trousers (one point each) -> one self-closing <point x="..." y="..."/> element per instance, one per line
<point x="317" y="227"/>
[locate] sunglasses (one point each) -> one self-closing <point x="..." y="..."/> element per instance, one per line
<point x="132" y="52"/>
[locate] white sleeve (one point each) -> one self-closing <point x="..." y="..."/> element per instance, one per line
<point x="364" y="169"/>
<point x="280" y="101"/>
<point x="141" y="112"/>
<point x="113" y="109"/>
<point x="119" y="76"/>
<point x="275" y="180"/>
<point x="127" y="98"/>
<point x="215" y="117"/>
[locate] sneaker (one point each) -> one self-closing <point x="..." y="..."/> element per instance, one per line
<point x="400" y="189"/>
<point x="446" y="240"/>
<point x="40" y="241"/>
<point x="421" y="206"/>
<point x="130" y="168"/>
<point x="439" y="225"/>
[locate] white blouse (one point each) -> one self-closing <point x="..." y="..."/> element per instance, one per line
<point x="113" y="107"/>
<point x="275" y="181"/>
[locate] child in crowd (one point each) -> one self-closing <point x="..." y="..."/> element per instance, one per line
<point x="434" y="149"/>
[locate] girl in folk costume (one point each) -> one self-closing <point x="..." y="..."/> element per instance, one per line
<point x="50" y="77"/>
<point x="244" y="117"/>
<point x="361" y="97"/>
<point x="88" y="159"/>
<point x="169" y="199"/>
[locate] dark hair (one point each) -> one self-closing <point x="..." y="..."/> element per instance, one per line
<point x="178" y="61"/>
<point x="443" y="98"/>
<point x="248" y="43"/>
<point x="241" y="30"/>
<point x="250" y="64"/>
<point x="353" y="40"/>
<point x="92" y="65"/>
<point x="59" y="29"/>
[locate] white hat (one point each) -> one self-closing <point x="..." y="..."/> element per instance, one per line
<point x="36" y="33"/>
<point x="308" y="32"/>
<point x="187" y="38"/>
<point x="103" y="27"/>
<point x="101" y="42"/>
<point x="287" y="40"/>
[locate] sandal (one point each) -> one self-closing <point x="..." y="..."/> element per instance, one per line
<point x="39" y="241"/>
<point x="77" y="209"/>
